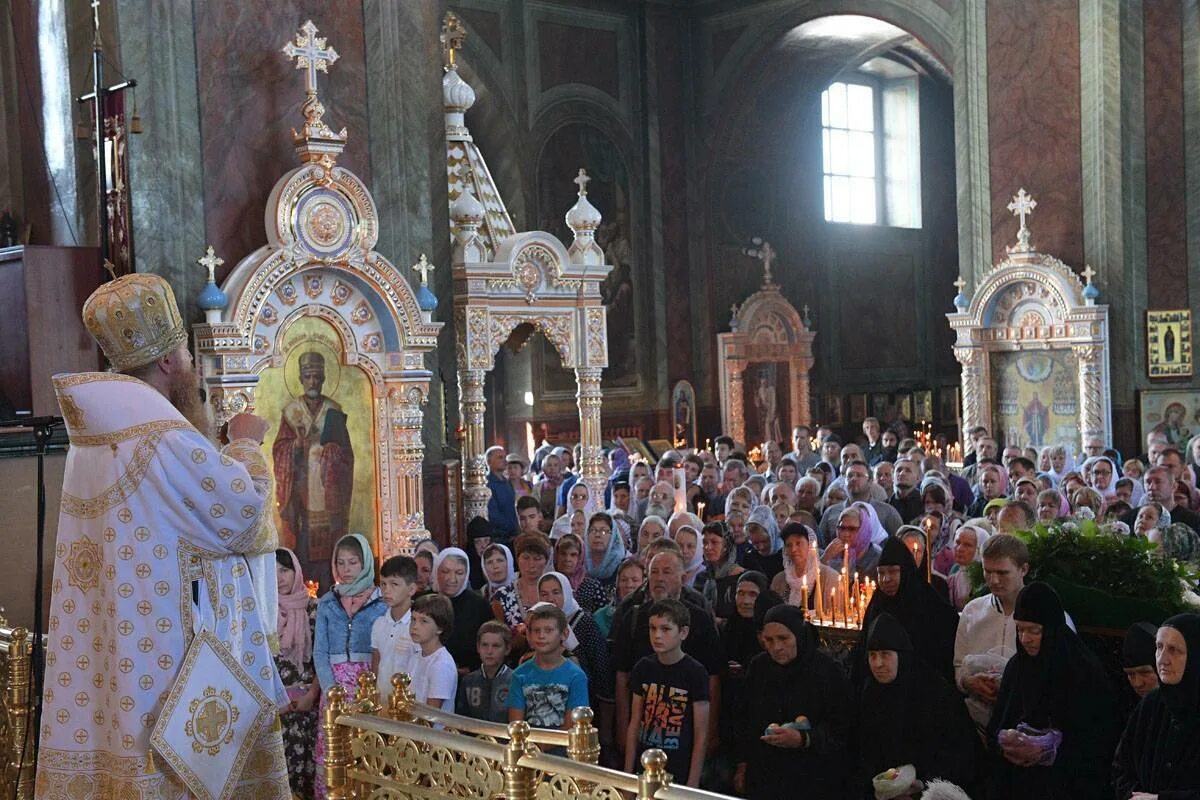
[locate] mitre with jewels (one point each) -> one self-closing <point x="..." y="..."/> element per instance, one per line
<point x="135" y="320"/>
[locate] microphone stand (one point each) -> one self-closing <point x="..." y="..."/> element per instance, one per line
<point x="43" y="428"/>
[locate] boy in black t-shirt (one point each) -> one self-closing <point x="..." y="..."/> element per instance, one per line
<point x="670" y="697"/>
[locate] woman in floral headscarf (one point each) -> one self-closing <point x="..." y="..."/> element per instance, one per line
<point x="297" y="616"/>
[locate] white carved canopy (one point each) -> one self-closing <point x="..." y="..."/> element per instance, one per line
<point x="1032" y="301"/>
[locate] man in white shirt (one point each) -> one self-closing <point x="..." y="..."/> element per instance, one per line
<point x="986" y="625"/>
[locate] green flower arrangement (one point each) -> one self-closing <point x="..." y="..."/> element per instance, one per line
<point x="1106" y="578"/>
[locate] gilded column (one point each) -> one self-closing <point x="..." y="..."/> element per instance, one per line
<point x="737" y="410"/>
<point x="1091" y="393"/>
<point x="471" y="407"/>
<point x="588" y="381"/>
<point x="407" y="421"/>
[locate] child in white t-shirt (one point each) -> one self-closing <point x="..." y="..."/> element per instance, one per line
<point x="434" y="673"/>
<point x="392" y="649"/>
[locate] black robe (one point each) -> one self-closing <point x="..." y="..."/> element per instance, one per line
<point x="1160" y="749"/>
<point x="813" y="685"/>
<point x="917" y="719"/>
<point x="1062" y="687"/>
<point x="931" y="623"/>
<point x="470" y="612"/>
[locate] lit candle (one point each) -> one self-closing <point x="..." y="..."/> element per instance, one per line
<point x="804" y="596"/>
<point x="833" y="606"/>
<point x="700" y="510"/>
<point x="820" y="601"/>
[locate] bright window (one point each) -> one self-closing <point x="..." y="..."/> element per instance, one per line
<point x="870" y="137"/>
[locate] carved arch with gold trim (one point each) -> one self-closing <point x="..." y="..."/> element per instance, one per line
<point x="1028" y="302"/>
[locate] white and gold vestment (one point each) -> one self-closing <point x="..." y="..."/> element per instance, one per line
<point x="155" y="527"/>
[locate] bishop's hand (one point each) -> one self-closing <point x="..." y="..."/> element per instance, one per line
<point x="248" y="426"/>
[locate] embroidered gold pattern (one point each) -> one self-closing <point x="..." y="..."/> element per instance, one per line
<point x="132" y="432"/>
<point x="122" y="489"/>
<point x="211" y="724"/>
<point x="84" y="564"/>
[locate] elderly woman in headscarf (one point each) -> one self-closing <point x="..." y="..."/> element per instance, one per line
<point x="968" y="550"/>
<point x="451" y="577"/>
<point x="1061" y="463"/>
<point x="909" y="716"/>
<point x="858" y="534"/>
<point x="800" y="569"/>
<point x="604" y="552"/>
<point x="651" y="528"/>
<point x="568" y="560"/>
<point x="691" y="547"/>
<point x="578" y="499"/>
<point x="742" y="499"/>
<point x="589" y="647"/>
<point x="297" y="616"/>
<point x="718" y="581"/>
<point x="794" y="720"/>
<point x="763" y="533"/>
<point x="1159" y="753"/>
<point x="930" y="621"/>
<point x="916" y="539"/>
<point x="1054" y="725"/>
<point x="479" y="537"/>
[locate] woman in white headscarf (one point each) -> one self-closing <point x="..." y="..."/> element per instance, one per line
<point x="578" y="499"/>
<point x="498" y="568"/>
<point x="692" y="549"/>
<point x="1104" y="479"/>
<point x="584" y="641"/>
<point x="452" y="578"/>
<point x="969" y="540"/>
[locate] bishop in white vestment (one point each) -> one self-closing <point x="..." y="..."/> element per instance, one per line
<point x="155" y="529"/>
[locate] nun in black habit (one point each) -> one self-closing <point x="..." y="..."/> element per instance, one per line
<point x="909" y="715"/>
<point x="1056" y="684"/>
<point x="1159" y="752"/>
<point x="930" y="622"/>
<point x="794" y="686"/>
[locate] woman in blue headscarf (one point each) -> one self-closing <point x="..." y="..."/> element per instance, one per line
<point x="604" y="552"/>
<point x="763" y="532"/>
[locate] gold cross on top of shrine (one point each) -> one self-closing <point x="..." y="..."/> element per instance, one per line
<point x="311" y="54"/>
<point x="1022" y="206"/>
<point x="452" y="38"/>
<point x="210" y="261"/>
<point x="424" y="268"/>
<point x="960" y="284"/>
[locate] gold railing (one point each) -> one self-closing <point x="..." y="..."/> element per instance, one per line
<point x="396" y="751"/>
<point x="16" y="740"/>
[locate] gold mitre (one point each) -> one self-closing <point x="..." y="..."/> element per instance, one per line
<point x="312" y="359"/>
<point x="135" y="320"/>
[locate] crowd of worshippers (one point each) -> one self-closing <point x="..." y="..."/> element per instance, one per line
<point x="672" y="604"/>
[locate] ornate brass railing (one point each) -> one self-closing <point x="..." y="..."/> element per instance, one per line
<point x="398" y="752"/>
<point x="16" y="740"/>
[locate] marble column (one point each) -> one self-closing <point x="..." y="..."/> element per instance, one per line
<point x="972" y="157"/>
<point x="472" y="404"/>
<point x="589" y="397"/>
<point x="974" y="404"/>
<point x="802" y="414"/>
<point x="1091" y="393"/>
<point x="406" y="405"/>
<point x="408" y="169"/>
<point x="166" y="167"/>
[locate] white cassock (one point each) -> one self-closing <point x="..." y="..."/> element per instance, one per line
<point x="156" y="535"/>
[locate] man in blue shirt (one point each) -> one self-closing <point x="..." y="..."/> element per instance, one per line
<point x="502" y="508"/>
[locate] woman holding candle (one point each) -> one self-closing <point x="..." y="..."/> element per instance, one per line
<point x="930" y="621"/>
<point x="858" y="529"/>
<point x="802" y="572"/>
<point x="916" y="540"/>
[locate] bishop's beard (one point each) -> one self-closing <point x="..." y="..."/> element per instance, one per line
<point x="184" y="394"/>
